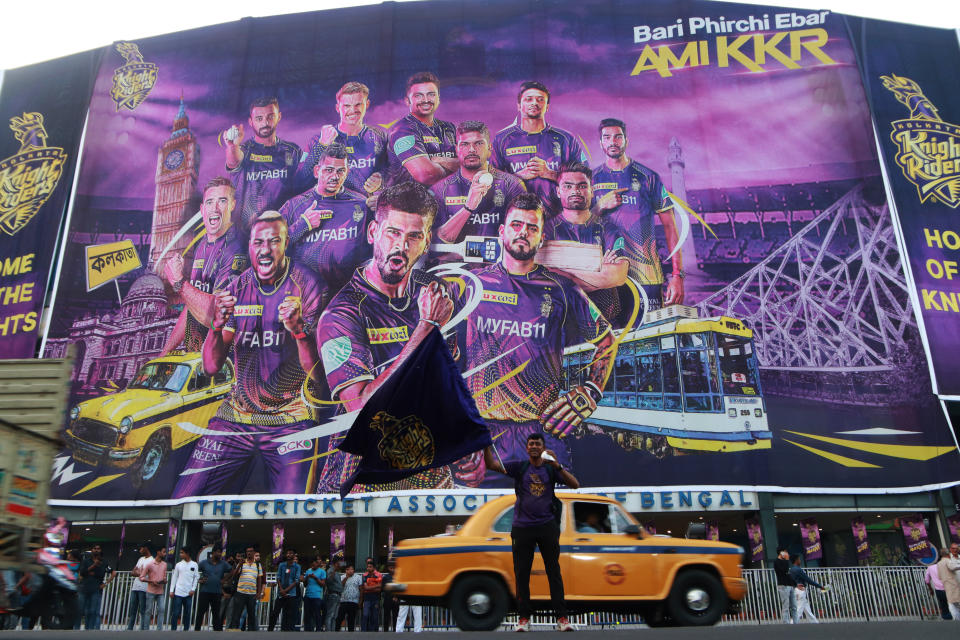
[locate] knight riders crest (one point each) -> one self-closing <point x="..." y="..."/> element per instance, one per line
<point x="928" y="149"/>
<point x="28" y="178"/>
<point x="406" y="443"/>
<point x="133" y="81"/>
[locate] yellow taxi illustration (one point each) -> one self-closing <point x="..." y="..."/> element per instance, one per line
<point x="608" y="564"/>
<point x="162" y="409"/>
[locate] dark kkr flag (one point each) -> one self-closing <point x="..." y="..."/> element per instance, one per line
<point x="422" y="417"/>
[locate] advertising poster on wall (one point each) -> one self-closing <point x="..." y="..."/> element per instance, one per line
<point x="338" y="541"/>
<point x="42" y="110"/>
<point x="915" y="536"/>
<point x="725" y="167"/>
<point x="860" y="539"/>
<point x="810" y="539"/>
<point x="953" y="522"/>
<point x="916" y="106"/>
<point x="755" y="536"/>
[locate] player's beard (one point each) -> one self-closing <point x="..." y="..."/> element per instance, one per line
<point x="614" y="152"/>
<point x="266" y="132"/>
<point x="519" y="253"/>
<point x="472" y="163"/>
<point x="389" y="276"/>
<point x="580" y="204"/>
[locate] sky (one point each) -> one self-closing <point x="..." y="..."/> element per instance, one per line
<point x="106" y="21"/>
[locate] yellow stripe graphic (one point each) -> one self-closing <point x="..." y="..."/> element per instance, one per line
<point x="102" y="480"/>
<point x="906" y="452"/>
<point x="845" y="461"/>
<point x="503" y="379"/>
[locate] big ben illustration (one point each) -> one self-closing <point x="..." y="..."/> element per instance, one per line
<point x="176" y="197"/>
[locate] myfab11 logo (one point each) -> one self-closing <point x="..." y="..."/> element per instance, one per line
<point x="133" y="81"/>
<point x="928" y="149"/>
<point x="28" y="178"/>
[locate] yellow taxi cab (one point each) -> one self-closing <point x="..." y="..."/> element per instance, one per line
<point x="607" y="562"/>
<point x="162" y="409"/>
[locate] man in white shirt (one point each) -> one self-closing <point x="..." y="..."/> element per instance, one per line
<point x="139" y="591"/>
<point x="182" y="587"/>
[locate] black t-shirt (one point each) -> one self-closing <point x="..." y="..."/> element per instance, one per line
<point x="91" y="576"/>
<point x="782" y="568"/>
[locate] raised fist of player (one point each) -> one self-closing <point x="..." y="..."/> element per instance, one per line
<point x="469" y="470"/>
<point x="372" y="184"/>
<point x="290" y="314"/>
<point x="173" y="268"/>
<point x="328" y="133"/>
<point x="233" y="136"/>
<point x="611" y="200"/>
<point x="224" y="308"/>
<point x="478" y="188"/>
<point x="435" y="303"/>
<point x="569" y="410"/>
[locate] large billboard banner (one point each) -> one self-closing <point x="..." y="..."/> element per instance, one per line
<point x="657" y="233"/>
<point x="42" y="109"/>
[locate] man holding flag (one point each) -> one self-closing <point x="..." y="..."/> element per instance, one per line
<point x="375" y="323"/>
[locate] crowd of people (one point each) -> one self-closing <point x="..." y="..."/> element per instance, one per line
<point x="226" y="592"/>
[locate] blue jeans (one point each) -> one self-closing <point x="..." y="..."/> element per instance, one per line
<point x="89" y="609"/>
<point x="157" y="600"/>
<point x="370" y="620"/>
<point x="180" y="602"/>
<point x="137" y="605"/>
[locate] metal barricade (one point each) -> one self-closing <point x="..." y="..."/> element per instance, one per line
<point x="856" y="594"/>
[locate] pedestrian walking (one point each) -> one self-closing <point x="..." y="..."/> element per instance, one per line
<point x="404" y="611"/>
<point x="801" y="592"/>
<point x="935" y="585"/>
<point x="786" y="587"/>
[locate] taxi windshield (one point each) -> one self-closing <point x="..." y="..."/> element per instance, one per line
<point x="165" y="376"/>
<point x="738" y="367"/>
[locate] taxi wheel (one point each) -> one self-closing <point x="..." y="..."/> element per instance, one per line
<point x="697" y="599"/>
<point x="150" y="460"/>
<point x="478" y="603"/>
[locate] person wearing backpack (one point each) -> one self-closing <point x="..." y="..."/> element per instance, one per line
<point x="536" y="523"/>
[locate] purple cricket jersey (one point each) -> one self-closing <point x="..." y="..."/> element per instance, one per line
<point x="535" y="493"/>
<point x="451" y="194"/>
<point x="360" y="333"/>
<point x="264" y="179"/>
<point x="527" y="319"/>
<point x="594" y="231"/>
<point x="513" y="146"/>
<point x="366" y="155"/>
<point x="215" y="264"/>
<point x="339" y="245"/>
<point x="409" y="138"/>
<point x="269" y="375"/>
<point x="634" y="219"/>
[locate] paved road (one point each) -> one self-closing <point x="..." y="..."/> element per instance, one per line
<point x="838" y="631"/>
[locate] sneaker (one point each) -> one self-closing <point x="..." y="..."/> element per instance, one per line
<point x="565" y="625"/>
<point x="523" y="624"/>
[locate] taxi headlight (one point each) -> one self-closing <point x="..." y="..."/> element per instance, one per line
<point x="74" y="413"/>
<point x="126" y="424"/>
<point x="732" y="413"/>
<point x="758" y="413"/>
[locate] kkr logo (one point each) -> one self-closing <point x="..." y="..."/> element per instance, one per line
<point x="28" y="178"/>
<point x="407" y="443"/>
<point x="133" y="81"/>
<point x="928" y="149"/>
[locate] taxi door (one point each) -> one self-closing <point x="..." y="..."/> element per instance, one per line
<point x="600" y="560"/>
